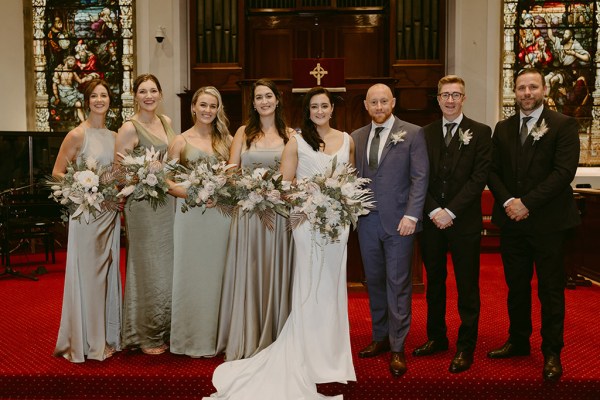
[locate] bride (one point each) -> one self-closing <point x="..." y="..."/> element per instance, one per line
<point x="314" y="344"/>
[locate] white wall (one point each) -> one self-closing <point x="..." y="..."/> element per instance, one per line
<point x="12" y="72"/>
<point x="167" y="60"/>
<point x="475" y="56"/>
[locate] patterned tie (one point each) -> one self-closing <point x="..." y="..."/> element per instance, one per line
<point x="524" y="131"/>
<point x="449" y="128"/>
<point x="374" y="149"/>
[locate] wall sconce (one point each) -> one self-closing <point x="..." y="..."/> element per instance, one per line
<point x="159" y="35"/>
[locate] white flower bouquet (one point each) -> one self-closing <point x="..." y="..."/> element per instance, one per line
<point x="260" y="191"/>
<point x="143" y="175"/>
<point x="330" y="201"/>
<point x="206" y="181"/>
<point x="85" y="189"/>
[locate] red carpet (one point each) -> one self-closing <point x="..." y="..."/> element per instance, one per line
<point x="31" y="311"/>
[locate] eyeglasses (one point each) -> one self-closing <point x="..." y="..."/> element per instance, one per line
<point x="455" y="96"/>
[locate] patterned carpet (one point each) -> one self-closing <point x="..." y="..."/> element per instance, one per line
<point x="30" y="316"/>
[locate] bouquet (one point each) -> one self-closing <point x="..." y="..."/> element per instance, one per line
<point x="85" y="189"/>
<point x="206" y="181"/>
<point x="259" y="191"/>
<point x="330" y="201"/>
<point x="143" y="175"/>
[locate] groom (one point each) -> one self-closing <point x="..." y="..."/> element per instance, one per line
<point x="392" y="153"/>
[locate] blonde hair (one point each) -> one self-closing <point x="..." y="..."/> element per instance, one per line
<point x="221" y="138"/>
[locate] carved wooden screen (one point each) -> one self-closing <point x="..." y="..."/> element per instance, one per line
<point x="561" y="39"/>
<point x="75" y="41"/>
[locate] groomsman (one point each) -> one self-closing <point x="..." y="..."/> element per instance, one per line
<point x="535" y="154"/>
<point x="392" y="153"/>
<point x="459" y="151"/>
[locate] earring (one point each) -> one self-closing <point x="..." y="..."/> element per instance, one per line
<point x="194" y="113"/>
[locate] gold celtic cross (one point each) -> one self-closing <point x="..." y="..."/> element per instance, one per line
<point x="318" y="73"/>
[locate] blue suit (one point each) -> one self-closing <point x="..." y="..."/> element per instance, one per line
<point x="400" y="186"/>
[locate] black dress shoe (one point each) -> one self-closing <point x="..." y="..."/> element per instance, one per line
<point x="431" y="347"/>
<point x="375" y="348"/>
<point x="509" y="350"/>
<point x="397" y="364"/>
<point x="552" y="368"/>
<point x="461" y="362"/>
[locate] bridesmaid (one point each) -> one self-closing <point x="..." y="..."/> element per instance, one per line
<point x="255" y="302"/>
<point x="90" y="323"/>
<point x="200" y="237"/>
<point x="147" y="302"/>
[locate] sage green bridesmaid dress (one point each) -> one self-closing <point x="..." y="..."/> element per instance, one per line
<point x="257" y="285"/>
<point x="200" y="250"/>
<point x="149" y="277"/>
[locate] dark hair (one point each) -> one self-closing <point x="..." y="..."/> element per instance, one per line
<point x="309" y="131"/>
<point x="90" y="88"/>
<point x="530" y="70"/>
<point x="253" y="128"/>
<point x="143" y="78"/>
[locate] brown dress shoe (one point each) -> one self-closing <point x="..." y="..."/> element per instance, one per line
<point x="430" y="347"/>
<point x="509" y="350"/>
<point x="552" y="368"/>
<point x="375" y="348"/>
<point x="397" y="364"/>
<point x="461" y="362"/>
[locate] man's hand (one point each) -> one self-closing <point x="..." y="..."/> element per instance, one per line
<point x="406" y="226"/>
<point x="442" y="219"/>
<point x="516" y="210"/>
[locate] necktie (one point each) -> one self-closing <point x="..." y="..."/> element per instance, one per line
<point x="524" y="131"/>
<point x="449" y="128"/>
<point x="374" y="149"/>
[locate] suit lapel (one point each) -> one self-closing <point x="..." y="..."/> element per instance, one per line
<point x="436" y="143"/>
<point x="464" y="125"/>
<point x="363" y="139"/>
<point x="386" y="149"/>
<point x="513" y="140"/>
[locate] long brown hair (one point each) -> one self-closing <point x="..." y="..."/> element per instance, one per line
<point x="309" y="131"/>
<point x="253" y="127"/>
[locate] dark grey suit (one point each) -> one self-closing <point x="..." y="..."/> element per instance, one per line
<point x="400" y="186"/>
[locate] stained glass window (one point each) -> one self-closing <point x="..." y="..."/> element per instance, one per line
<point x="76" y="41"/>
<point x="561" y="39"/>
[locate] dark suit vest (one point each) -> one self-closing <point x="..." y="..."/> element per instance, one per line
<point x="440" y="185"/>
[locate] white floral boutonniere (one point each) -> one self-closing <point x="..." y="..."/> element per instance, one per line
<point x="539" y="130"/>
<point x="464" y="137"/>
<point x="397" y="137"/>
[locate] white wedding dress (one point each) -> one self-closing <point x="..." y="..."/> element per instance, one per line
<point x="314" y="344"/>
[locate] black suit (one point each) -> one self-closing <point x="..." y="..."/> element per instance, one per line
<point x="458" y="174"/>
<point x="539" y="173"/>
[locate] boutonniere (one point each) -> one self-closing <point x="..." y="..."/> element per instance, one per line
<point x="539" y="130"/>
<point x="397" y="137"/>
<point x="464" y="137"/>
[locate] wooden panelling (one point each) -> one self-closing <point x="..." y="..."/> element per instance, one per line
<point x="364" y="58"/>
<point x="272" y="53"/>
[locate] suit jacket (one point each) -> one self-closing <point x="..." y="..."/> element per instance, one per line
<point x="467" y="177"/>
<point x="540" y="173"/>
<point x="400" y="182"/>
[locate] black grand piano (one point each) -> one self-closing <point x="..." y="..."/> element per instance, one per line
<point x="27" y="216"/>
